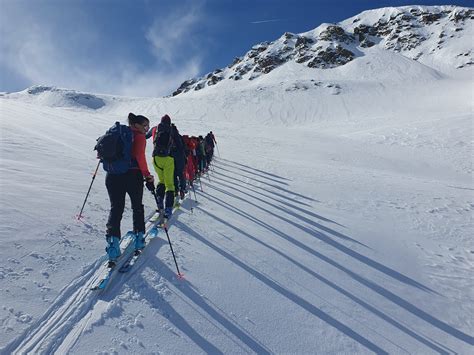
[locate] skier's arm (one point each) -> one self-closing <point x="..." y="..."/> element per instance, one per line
<point x="138" y="152"/>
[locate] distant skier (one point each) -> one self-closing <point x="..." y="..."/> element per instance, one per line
<point x="209" y="147"/>
<point x="179" y="155"/>
<point x="213" y="137"/>
<point x="129" y="182"/>
<point x="189" y="168"/>
<point x="201" y="155"/>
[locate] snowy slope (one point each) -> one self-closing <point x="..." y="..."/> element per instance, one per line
<point x="338" y="218"/>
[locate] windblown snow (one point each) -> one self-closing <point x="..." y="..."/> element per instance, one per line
<point x="337" y="216"/>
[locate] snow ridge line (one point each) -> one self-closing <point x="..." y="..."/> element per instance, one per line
<point x="72" y="304"/>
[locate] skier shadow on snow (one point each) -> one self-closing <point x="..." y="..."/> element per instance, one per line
<point x="291" y="213"/>
<point x="238" y="172"/>
<point x="285" y="292"/>
<point x="222" y="164"/>
<point x="251" y="170"/>
<point x="157" y="302"/>
<point x="141" y="286"/>
<point x="236" y="182"/>
<point x="222" y="175"/>
<point x="331" y="284"/>
<point x="187" y="294"/>
<point x="324" y="238"/>
<point x="366" y="260"/>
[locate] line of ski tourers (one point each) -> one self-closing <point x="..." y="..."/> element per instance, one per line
<point x="178" y="161"/>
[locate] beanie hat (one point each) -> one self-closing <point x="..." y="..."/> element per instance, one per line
<point x="166" y="119"/>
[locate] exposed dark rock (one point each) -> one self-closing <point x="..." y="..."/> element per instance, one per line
<point x="236" y="61"/>
<point x="461" y="15"/>
<point x="184" y="87"/>
<point x="335" y="33"/>
<point x="267" y="64"/>
<point x="430" y="18"/>
<point x="331" y="58"/>
<point x="256" y="50"/>
<point x="303" y="59"/>
<point x="252" y="54"/>
<point x="303" y="42"/>
<point x="235" y="77"/>
<point x="199" y="86"/>
<point x="365" y="29"/>
<point x="416" y="57"/>
<point x="243" y="69"/>
<point x="213" y="80"/>
<point x="367" y="43"/>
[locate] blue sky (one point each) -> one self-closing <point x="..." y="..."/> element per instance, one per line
<point x="148" y="47"/>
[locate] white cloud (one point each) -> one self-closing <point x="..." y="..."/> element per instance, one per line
<point x="170" y="34"/>
<point x="34" y="52"/>
<point x="157" y="82"/>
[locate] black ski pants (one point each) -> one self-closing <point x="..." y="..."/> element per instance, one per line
<point x="179" y="181"/>
<point x="118" y="185"/>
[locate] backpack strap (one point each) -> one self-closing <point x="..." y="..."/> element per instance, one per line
<point x="155" y="134"/>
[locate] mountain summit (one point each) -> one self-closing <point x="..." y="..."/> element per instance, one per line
<point x="436" y="36"/>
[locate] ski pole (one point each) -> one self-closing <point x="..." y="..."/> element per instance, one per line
<point x="152" y="190"/>
<point x="88" y="191"/>
<point x="180" y="275"/>
<point x="218" y="153"/>
<point x="195" y="197"/>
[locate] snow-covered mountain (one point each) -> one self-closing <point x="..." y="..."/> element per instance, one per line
<point x="337" y="218"/>
<point x="437" y="36"/>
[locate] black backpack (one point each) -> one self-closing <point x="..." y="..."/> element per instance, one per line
<point x="163" y="141"/>
<point x="114" y="149"/>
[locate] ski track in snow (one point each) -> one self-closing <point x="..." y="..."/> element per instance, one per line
<point x="62" y="325"/>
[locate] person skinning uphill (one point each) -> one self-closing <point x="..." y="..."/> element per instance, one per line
<point x="163" y="162"/>
<point x="179" y="155"/>
<point x="126" y="168"/>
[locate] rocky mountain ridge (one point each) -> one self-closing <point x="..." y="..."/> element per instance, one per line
<point x="433" y="35"/>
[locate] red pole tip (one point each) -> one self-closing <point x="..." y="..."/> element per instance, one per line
<point x="180" y="277"/>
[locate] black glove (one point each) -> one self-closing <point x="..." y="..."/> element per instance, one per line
<point x="150" y="186"/>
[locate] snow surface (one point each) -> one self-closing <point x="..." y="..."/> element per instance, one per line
<point x="337" y="218"/>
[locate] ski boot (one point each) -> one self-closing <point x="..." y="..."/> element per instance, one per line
<point x="168" y="212"/>
<point x="139" y="241"/>
<point x="113" y="250"/>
